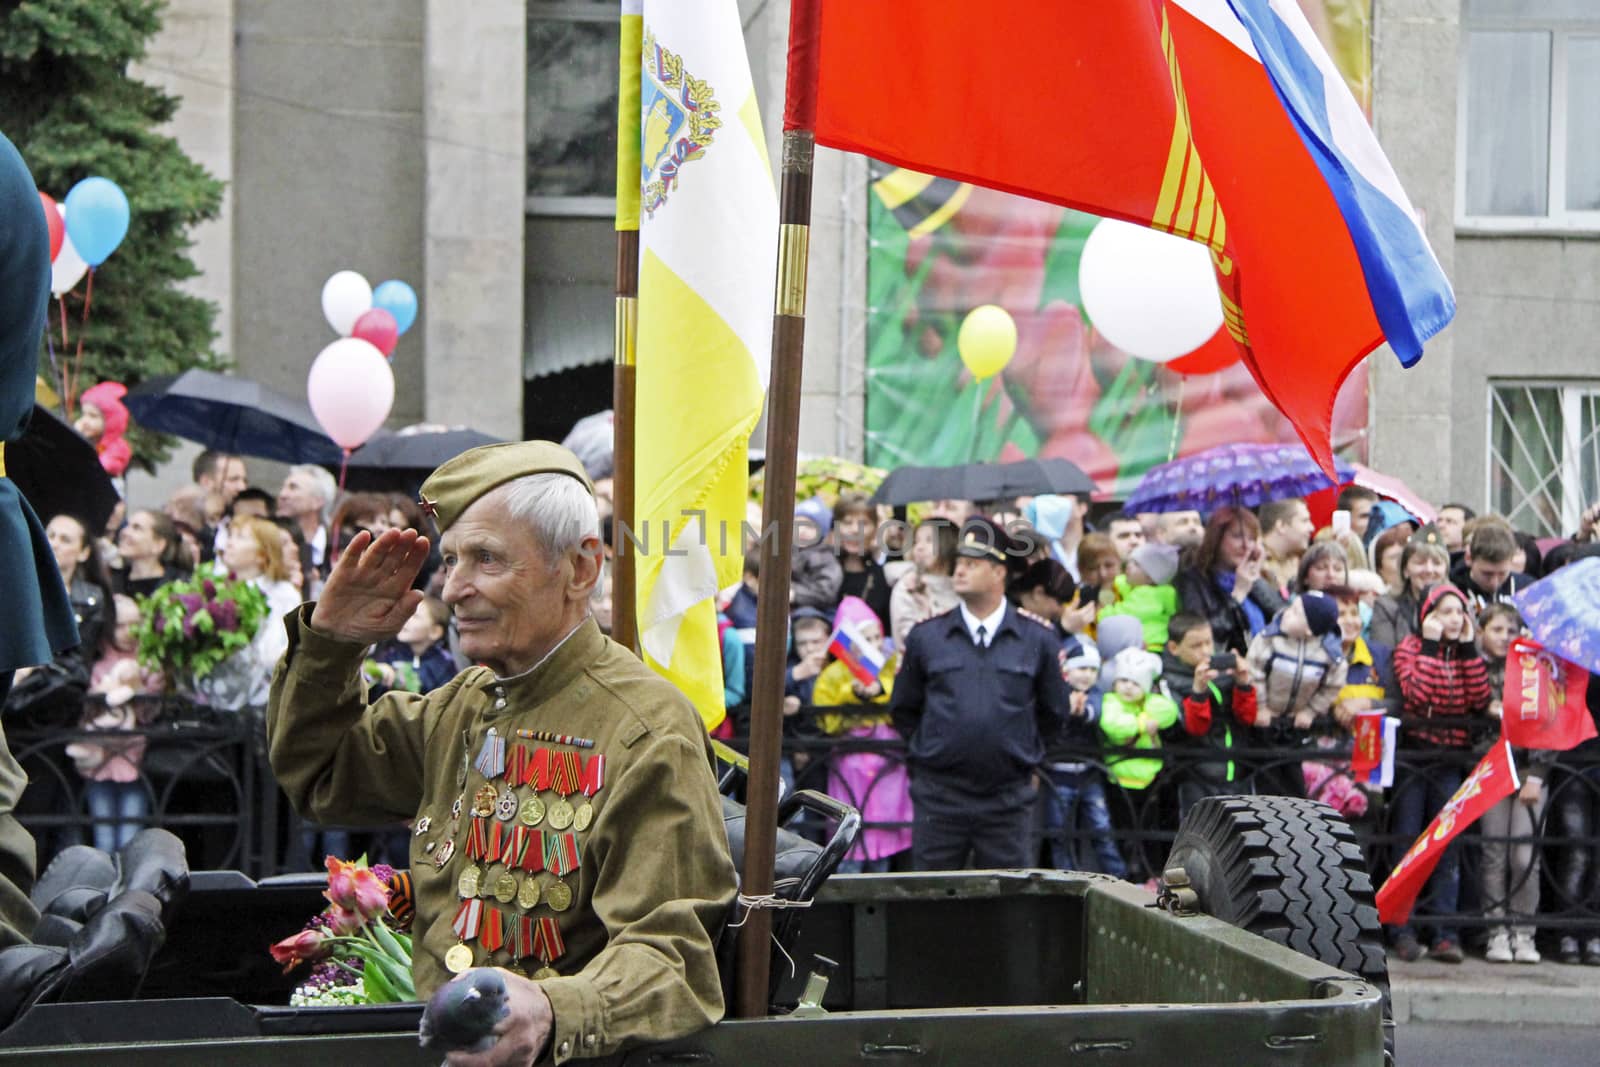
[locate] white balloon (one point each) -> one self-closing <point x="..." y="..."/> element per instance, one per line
<point x="345" y="297"/>
<point x="69" y="267"/>
<point x="1149" y="293"/>
<point x="351" y="389"/>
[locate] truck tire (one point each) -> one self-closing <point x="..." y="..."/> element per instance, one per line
<point x="1291" y="871"/>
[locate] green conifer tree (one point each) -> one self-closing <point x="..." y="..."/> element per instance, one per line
<point x="69" y="104"/>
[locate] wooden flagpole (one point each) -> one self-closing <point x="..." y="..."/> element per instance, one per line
<point x="624" y="581"/>
<point x="783" y="438"/>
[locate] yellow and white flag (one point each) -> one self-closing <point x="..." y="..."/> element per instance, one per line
<point x="708" y="252"/>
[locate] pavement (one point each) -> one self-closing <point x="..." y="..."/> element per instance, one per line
<point x="1495" y="993"/>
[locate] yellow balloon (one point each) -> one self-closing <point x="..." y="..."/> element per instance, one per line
<point x="987" y="341"/>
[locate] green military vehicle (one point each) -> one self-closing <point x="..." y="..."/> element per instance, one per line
<point x="1262" y="947"/>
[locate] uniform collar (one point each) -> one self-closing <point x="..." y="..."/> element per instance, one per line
<point x="550" y="675"/>
<point x="991" y="623"/>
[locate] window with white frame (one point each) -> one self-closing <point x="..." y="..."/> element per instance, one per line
<point x="1544" y="453"/>
<point x="1528" y="149"/>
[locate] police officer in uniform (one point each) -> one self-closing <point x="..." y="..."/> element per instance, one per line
<point x="566" y="823"/>
<point x="978" y="696"/>
<point x="39" y="620"/>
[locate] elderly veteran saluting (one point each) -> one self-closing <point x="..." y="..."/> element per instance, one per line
<point x="566" y="820"/>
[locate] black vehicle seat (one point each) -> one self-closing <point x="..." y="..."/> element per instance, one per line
<point x="102" y="920"/>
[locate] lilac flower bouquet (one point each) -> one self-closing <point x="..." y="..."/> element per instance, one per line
<point x="188" y="627"/>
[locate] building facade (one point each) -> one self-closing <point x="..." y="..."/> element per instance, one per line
<point x="468" y="149"/>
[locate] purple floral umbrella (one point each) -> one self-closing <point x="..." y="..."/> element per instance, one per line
<point x="1563" y="612"/>
<point x="1241" y="475"/>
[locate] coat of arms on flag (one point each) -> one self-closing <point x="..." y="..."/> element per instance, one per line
<point x="679" y="118"/>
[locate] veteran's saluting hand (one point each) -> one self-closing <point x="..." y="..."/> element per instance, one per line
<point x="368" y="597"/>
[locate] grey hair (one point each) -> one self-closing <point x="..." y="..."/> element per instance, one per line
<point x="557" y="507"/>
<point x="322" y="482"/>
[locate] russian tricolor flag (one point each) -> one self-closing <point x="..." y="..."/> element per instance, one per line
<point x="864" y="660"/>
<point x="1222" y="121"/>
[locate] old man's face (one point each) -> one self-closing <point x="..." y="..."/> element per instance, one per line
<point x="507" y="595"/>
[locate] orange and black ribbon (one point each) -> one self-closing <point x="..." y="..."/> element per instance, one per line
<point x="538" y="772"/>
<point x="568" y="770"/>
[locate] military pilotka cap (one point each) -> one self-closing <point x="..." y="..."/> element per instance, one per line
<point x="983" y="538"/>
<point x="456" y="483"/>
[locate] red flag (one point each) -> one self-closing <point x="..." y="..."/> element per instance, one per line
<point x="1172" y="114"/>
<point x="1491" y="781"/>
<point x="1544" y="699"/>
<point x="1367" y="751"/>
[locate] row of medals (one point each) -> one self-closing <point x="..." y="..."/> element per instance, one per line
<point x="559" y="815"/>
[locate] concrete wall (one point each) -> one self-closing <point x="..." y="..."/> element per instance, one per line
<point x="1413" y="433"/>
<point x="329" y="168"/>
<point x="474" y="71"/>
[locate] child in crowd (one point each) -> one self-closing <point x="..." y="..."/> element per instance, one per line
<point x="1075" y="784"/>
<point x="1297" y="664"/>
<point x="1509" y="874"/>
<point x="1216" y="692"/>
<point x="1133" y="716"/>
<point x="875" y="784"/>
<point x="418" y="660"/>
<point x="118" y="801"/>
<point x="1144" y="590"/>
<point x="1444" y="683"/>
<point x="103" y="419"/>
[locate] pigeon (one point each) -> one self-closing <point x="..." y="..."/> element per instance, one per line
<point x="462" y="1015"/>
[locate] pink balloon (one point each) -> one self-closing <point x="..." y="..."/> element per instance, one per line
<point x="351" y="390"/>
<point x="379" y="329"/>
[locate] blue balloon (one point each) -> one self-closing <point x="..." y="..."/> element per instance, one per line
<point x="97" y="218"/>
<point x="399" y="300"/>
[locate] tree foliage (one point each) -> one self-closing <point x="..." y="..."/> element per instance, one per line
<point x="69" y="104"/>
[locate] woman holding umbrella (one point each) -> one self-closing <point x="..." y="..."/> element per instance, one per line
<point x="1223" y="583"/>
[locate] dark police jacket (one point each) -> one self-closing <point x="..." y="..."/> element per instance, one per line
<point x="979" y="718"/>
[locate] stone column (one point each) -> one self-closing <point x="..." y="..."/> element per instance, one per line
<point x="1415" y="76"/>
<point x="475" y="102"/>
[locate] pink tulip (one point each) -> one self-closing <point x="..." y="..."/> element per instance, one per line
<point x="306" y="945"/>
<point x="357" y="889"/>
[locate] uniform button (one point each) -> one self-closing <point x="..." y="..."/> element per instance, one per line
<point x="588" y="1039"/>
<point x="566" y="1047"/>
<point x="500" y="703"/>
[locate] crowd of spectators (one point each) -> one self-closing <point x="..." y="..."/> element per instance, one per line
<point x="1213" y="638"/>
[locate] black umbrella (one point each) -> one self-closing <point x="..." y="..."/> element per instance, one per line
<point x="983" y="481"/>
<point x="57" y="470"/>
<point x="403" y="459"/>
<point x="232" y="414"/>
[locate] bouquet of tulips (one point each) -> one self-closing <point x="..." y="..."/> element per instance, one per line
<point x="360" y="955"/>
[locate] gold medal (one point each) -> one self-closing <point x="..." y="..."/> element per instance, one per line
<point x="560" y="814"/>
<point x="468" y="884"/>
<point x="583" y="817"/>
<point x="532" y="812"/>
<point x="545" y="972"/>
<point x="558" y="896"/>
<point x="458" y="959"/>
<point x="528" y="895"/>
<point x="505" y="888"/>
<point x="483" y="800"/>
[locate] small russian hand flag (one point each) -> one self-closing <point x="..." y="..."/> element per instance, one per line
<point x="849" y="648"/>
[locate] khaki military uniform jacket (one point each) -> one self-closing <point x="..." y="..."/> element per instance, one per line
<point x="655" y="879"/>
